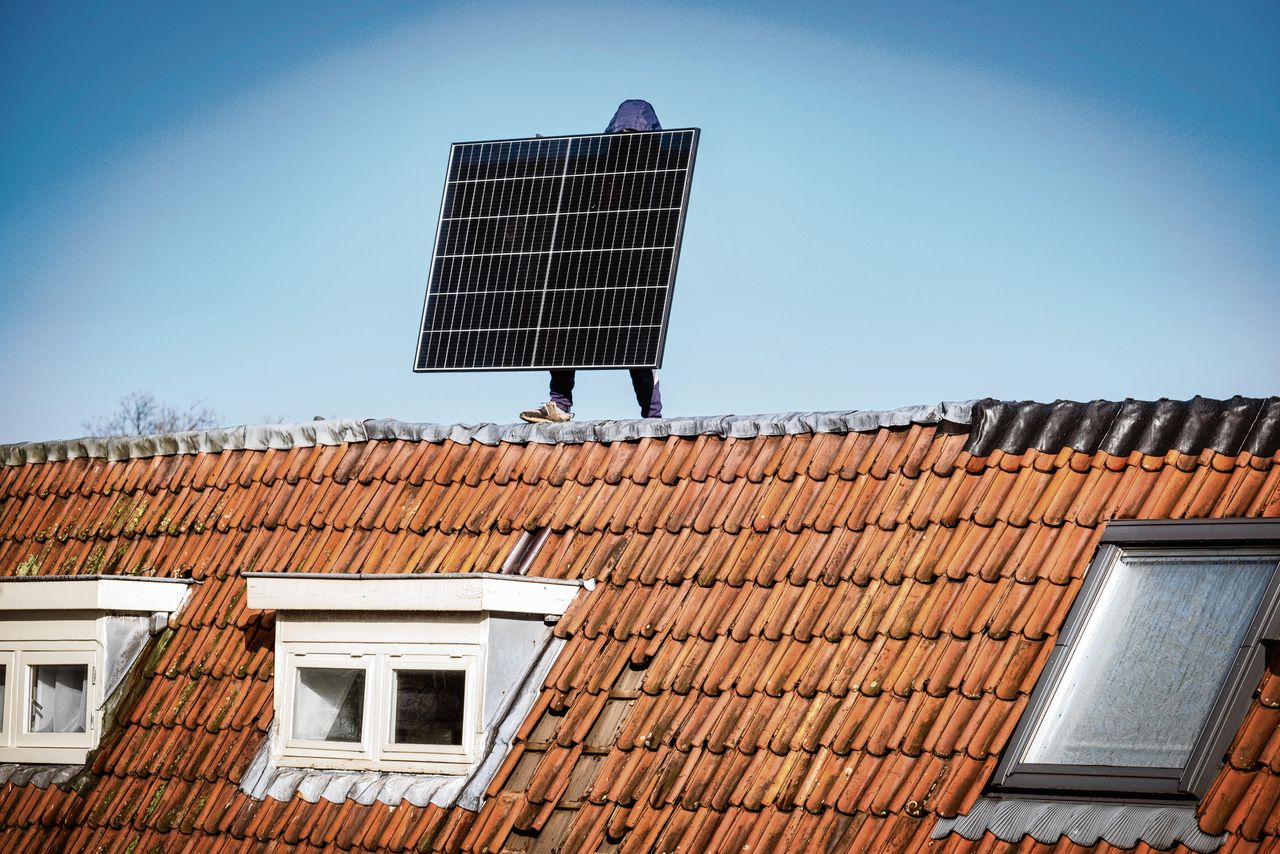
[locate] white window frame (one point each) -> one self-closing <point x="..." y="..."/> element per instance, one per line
<point x="379" y="660"/>
<point x="17" y="741"/>
<point x="465" y="658"/>
<point x="341" y="750"/>
<point x="9" y="661"/>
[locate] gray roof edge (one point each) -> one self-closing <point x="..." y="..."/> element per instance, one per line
<point x="1085" y="823"/>
<point x="94" y="576"/>
<point x="246" y="437"/>
<point x="338" y="432"/>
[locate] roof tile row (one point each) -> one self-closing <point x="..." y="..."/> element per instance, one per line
<point x="805" y="504"/>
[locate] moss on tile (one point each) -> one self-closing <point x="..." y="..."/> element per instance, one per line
<point x="155" y="801"/>
<point x="141" y="566"/>
<point x="228" y="614"/>
<point x="214" y="723"/>
<point x="96" y="556"/>
<point x="139" y="510"/>
<point x="108" y="798"/>
<point x="82" y="782"/>
<point x="183" y="696"/>
<point x="159" y="644"/>
<point x="116" y="556"/>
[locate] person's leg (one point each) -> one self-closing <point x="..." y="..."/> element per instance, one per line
<point x="648" y="395"/>
<point x="556" y="410"/>
<point x="562" y="389"/>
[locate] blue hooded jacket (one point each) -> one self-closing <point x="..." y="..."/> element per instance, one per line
<point x="634" y="115"/>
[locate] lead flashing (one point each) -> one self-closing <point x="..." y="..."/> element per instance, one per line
<point x="1084" y="823"/>
<point x="340" y="432"/>
<point x="1230" y="427"/>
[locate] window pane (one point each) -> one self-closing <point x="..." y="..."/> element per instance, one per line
<point x="1149" y="660"/>
<point x="4" y="682"/>
<point x="429" y="706"/>
<point x="328" y="704"/>
<point x="57" y="697"/>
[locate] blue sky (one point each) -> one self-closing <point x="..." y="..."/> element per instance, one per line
<point x="235" y="203"/>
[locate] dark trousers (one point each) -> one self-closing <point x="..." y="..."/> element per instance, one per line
<point x="643" y="380"/>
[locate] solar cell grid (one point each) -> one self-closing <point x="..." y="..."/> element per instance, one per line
<point x="557" y="252"/>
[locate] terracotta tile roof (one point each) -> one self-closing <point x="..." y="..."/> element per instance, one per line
<point x="808" y="633"/>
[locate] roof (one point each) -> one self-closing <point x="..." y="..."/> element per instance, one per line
<point x="810" y="630"/>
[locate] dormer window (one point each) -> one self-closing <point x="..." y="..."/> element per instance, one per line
<point x="66" y="643"/>
<point x="373" y="704"/>
<point x="400" y="672"/>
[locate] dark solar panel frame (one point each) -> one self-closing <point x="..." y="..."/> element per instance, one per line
<point x="492" y="303"/>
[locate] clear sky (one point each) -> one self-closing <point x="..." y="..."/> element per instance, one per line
<point x="894" y="203"/>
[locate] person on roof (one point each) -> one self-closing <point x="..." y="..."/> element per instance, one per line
<point x="632" y="115"/>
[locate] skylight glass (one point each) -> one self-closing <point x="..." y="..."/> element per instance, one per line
<point x="1150" y="658"/>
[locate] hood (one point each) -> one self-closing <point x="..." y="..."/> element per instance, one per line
<point x="634" y="115"/>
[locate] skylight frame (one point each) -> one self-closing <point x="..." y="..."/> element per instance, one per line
<point x="1231" y="701"/>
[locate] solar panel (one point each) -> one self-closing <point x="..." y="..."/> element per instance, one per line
<point x="557" y="252"/>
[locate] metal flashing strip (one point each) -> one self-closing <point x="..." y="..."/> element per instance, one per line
<point x="1084" y="823"/>
<point x="316" y="433"/>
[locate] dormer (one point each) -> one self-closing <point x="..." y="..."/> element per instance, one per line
<point x="66" y="644"/>
<point x="404" y="673"/>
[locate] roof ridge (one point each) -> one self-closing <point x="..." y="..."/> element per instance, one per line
<point x="1228" y="426"/>
<point x="344" y="431"/>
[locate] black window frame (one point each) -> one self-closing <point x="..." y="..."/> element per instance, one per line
<point x="1230" y="705"/>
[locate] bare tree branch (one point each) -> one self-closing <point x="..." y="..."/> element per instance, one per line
<point x="140" y="414"/>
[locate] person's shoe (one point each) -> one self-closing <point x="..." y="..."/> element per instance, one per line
<point x="547" y="413"/>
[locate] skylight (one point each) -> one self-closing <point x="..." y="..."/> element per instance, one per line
<point x="1160" y="652"/>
